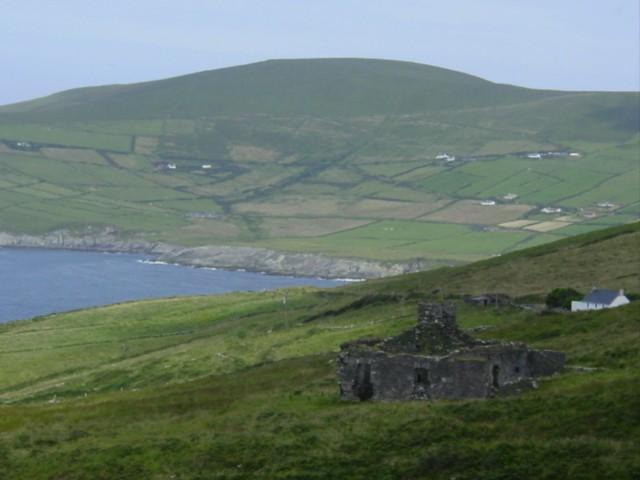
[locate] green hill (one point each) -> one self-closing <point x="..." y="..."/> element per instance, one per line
<point x="348" y="157"/>
<point x="325" y="87"/>
<point x="240" y="386"/>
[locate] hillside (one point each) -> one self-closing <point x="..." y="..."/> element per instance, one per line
<point x="242" y="386"/>
<point x="348" y="157"/>
<point x="326" y="87"/>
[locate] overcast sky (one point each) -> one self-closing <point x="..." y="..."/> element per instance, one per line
<point x="52" y="45"/>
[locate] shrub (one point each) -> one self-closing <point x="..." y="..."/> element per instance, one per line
<point x="562" y="298"/>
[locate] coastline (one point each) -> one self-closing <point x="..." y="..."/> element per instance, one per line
<point x="252" y="259"/>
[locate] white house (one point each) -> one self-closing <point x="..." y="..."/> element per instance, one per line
<point x="551" y="210"/>
<point x="606" y="205"/>
<point x="598" y="299"/>
<point x="446" y="157"/>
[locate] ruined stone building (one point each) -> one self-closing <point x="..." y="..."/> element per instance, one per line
<point x="437" y="360"/>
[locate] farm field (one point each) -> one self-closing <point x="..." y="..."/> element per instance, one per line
<point x="315" y="175"/>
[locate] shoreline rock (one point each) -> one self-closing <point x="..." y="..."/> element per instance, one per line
<point x="217" y="256"/>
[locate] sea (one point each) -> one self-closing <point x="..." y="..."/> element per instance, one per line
<point x="36" y="282"/>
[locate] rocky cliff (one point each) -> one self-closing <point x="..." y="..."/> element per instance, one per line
<point x="247" y="258"/>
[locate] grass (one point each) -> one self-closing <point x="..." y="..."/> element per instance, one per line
<point x="63" y="135"/>
<point x="406" y="239"/>
<point x="237" y="386"/>
<point x="619" y="189"/>
<point x="289" y="425"/>
<point x="473" y="212"/>
<point x="284" y="148"/>
<point x="372" y="87"/>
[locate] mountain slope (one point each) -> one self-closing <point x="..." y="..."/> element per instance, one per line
<point x="236" y="386"/>
<point x="323" y="87"/>
<point x="346" y="157"/>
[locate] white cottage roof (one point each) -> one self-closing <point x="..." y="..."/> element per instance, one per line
<point x="604" y="297"/>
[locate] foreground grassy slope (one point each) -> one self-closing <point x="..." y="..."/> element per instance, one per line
<point x="283" y="420"/>
<point x="172" y="340"/>
<point x="237" y="386"/>
<point x="322" y="155"/>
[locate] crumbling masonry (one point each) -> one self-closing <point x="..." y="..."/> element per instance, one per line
<point x="437" y="360"/>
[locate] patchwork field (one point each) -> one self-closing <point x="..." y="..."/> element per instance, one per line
<point x="470" y="211"/>
<point x="306" y="172"/>
<point x="546" y="226"/>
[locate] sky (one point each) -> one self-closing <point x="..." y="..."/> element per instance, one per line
<point x="52" y="45"/>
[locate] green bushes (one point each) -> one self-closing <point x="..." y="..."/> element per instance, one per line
<point x="562" y="298"/>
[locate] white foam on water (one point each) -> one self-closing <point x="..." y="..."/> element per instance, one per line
<point x="153" y="262"/>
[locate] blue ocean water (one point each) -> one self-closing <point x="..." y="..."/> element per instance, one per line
<point x="38" y="282"/>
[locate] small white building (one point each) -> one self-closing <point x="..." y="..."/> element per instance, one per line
<point x="488" y="203"/>
<point x="606" y="205"/>
<point x="446" y="157"/>
<point x="172" y="166"/>
<point x="534" y="155"/>
<point x="206" y="166"/>
<point x="551" y="210"/>
<point x="598" y="299"/>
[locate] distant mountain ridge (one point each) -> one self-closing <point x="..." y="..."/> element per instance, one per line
<point x="340" y="86"/>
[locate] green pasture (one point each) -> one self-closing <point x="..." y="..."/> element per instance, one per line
<point x="387" y="169"/>
<point x="64" y="135"/>
<point x="160" y="201"/>
<point x="142" y="194"/>
<point x="189" y="205"/>
<point x="622" y="190"/>
<point x="403" y="240"/>
<point x="243" y="386"/>
<point x="577" y="229"/>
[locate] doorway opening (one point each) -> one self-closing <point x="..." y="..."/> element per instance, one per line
<point x="363" y="387"/>
<point x="495" y="376"/>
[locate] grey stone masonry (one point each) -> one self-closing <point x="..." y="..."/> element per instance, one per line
<point x="437" y="360"/>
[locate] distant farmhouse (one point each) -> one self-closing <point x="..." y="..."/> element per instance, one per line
<point x="598" y="299"/>
<point x="437" y="360"/>
<point x="446" y="157"/>
<point x="551" y="210"/>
